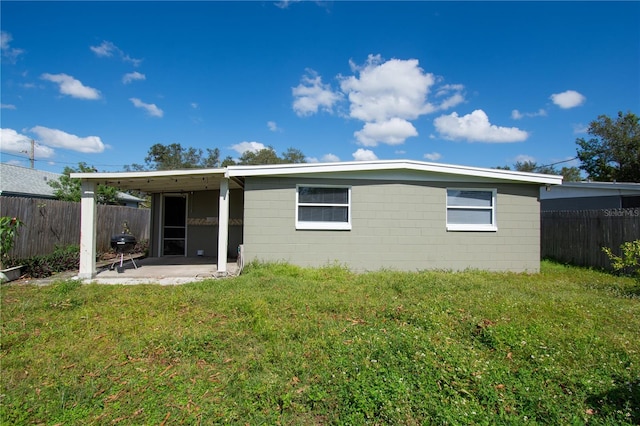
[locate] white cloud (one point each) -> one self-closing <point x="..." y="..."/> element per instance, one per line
<point x="59" y="139"/>
<point x="106" y="49"/>
<point x="523" y="158"/>
<point x="16" y="143"/>
<point x="453" y="96"/>
<point x="151" y="109"/>
<point x="327" y="158"/>
<point x="517" y="115"/>
<point x="450" y="102"/>
<point x="283" y="4"/>
<point x="243" y="147"/>
<point x="475" y="127"/>
<point x="273" y="126"/>
<point x="393" y="132"/>
<point x="580" y="128"/>
<point x="384" y="90"/>
<point x="7" y="106"/>
<point x="364" y="155"/>
<point x="72" y="87"/>
<point x="433" y="156"/>
<point x="330" y="158"/>
<point x="132" y="76"/>
<point x="194" y="105"/>
<point x="311" y="95"/>
<point x="387" y="94"/>
<point x="10" y="54"/>
<point x="568" y="99"/>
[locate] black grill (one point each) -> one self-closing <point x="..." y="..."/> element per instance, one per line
<point x="123" y="243"/>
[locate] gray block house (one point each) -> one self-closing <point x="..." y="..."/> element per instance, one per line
<point x="398" y="214"/>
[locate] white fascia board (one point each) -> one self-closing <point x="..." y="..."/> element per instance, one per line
<point x="616" y="186"/>
<point x="372" y="166"/>
<point x="146" y="174"/>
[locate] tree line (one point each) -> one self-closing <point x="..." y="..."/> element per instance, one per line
<point x="611" y="154"/>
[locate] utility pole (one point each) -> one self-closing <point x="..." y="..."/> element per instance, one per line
<point x="32" y="154"/>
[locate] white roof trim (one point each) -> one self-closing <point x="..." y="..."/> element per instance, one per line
<point x="603" y="185"/>
<point x="359" y="166"/>
<point x="328" y="168"/>
<point x="148" y="174"/>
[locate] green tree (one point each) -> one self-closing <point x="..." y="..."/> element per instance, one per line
<point x="293" y="156"/>
<point x="569" y="174"/>
<point x="174" y="157"/>
<point x="267" y="156"/>
<point x="613" y="154"/>
<point x="68" y="189"/>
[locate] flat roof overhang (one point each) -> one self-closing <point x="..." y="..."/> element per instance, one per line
<point x="159" y="181"/>
<point x="203" y="179"/>
<point x="395" y="170"/>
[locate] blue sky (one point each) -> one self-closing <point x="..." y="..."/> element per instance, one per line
<point x="473" y="83"/>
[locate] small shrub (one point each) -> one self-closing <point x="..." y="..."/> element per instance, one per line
<point x="9" y="227"/>
<point x="60" y="260"/>
<point x="629" y="261"/>
<point x="142" y="246"/>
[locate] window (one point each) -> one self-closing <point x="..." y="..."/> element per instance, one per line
<point x="471" y="209"/>
<point x="323" y="207"/>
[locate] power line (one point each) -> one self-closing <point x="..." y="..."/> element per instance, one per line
<point x="557" y="162"/>
<point x="60" y="162"/>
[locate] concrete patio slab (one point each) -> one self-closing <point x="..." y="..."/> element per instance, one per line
<point x="166" y="270"/>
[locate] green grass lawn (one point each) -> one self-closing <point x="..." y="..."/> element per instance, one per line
<point x="286" y="345"/>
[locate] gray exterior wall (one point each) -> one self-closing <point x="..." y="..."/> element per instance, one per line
<point x="591" y="203"/>
<point x="400" y="226"/>
<point x="582" y="203"/>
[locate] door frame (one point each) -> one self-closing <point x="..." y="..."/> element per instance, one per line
<point x="163" y="198"/>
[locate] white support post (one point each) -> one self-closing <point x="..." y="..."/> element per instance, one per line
<point x="223" y="225"/>
<point x="88" y="218"/>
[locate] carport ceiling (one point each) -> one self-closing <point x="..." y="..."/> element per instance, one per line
<point x="166" y="181"/>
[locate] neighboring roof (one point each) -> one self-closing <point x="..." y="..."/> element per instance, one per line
<point x="22" y="181"/>
<point x="591" y="189"/>
<point x="25" y="182"/>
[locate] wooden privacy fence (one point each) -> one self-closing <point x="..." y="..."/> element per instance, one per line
<point x="51" y="223"/>
<point x="577" y="237"/>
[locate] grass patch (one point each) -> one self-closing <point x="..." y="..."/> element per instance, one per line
<point x="282" y="344"/>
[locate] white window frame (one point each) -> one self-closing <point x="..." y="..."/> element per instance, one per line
<point x="473" y="227"/>
<point x="340" y="226"/>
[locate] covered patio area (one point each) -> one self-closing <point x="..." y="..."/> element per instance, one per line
<point x="167" y="270"/>
<point x="190" y="213"/>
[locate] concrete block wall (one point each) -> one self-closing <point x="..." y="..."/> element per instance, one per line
<point x="395" y="225"/>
